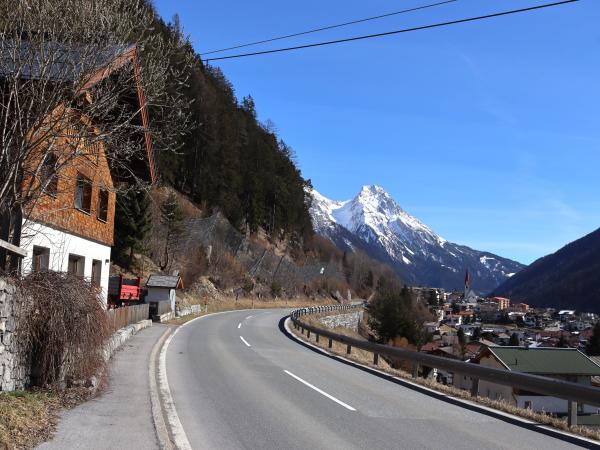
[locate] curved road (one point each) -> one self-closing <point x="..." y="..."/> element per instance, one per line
<point x="238" y="382"/>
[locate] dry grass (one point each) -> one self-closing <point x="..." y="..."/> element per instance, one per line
<point x="366" y="358"/>
<point x="26" y="418"/>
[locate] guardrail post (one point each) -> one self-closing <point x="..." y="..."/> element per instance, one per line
<point x="330" y="343"/>
<point x="375" y="358"/>
<point x="308" y="334"/>
<point x="316" y="338"/>
<point x="572" y="414"/>
<point x="475" y="387"/>
<point x="415" y="370"/>
<point x="348" y="349"/>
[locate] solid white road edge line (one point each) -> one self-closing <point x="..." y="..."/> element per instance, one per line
<point x="439" y="393"/>
<point x="177" y="431"/>
<point x="330" y="397"/>
<point x="245" y="341"/>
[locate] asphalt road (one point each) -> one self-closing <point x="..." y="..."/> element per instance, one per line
<point x="238" y="382"/>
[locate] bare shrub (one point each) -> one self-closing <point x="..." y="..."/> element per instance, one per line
<point x="194" y="264"/>
<point x="228" y="271"/>
<point x="62" y="327"/>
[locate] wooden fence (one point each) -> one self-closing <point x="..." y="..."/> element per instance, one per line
<point x="121" y="317"/>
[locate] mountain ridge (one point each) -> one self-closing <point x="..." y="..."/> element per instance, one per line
<point x="567" y="278"/>
<point x="375" y="223"/>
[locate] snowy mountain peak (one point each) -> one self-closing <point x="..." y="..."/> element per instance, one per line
<point x="375" y="221"/>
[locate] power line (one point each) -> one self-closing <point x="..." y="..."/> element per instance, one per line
<point x="330" y="27"/>
<point x="405" y="30"/>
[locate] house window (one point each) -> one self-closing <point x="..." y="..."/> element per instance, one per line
<point x="41" y="259"/>
<point x="48" y="175"/>
<point x="83" y="194"/>
<point x="102" y="212"/>
<point x="96" y="272"/>
<point x="76" y="265"/>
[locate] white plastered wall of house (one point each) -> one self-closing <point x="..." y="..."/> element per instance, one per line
<point x="60" y="246"/>
<point x="551" y="404"/>
<point x="492" y="390"/>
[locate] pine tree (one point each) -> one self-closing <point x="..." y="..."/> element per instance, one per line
<point x="593" y="346"/>
<point x="462" y="342"/>
<point x="395" y="313"/>
<point x="514" y="340"/>
<point x="133" y="223"/>
<point x="171" y="217"/>
<point x="562" y="342"/>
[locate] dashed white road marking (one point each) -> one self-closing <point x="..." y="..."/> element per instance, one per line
<point x="330" y="397"/>
<point x="239" y="325"/>
<point x="245" y="341"/>
<point x="249" y="317"/>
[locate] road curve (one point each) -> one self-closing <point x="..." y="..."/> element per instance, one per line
<point x="239" y="382"/>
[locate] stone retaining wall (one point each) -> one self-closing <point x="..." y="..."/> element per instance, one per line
<point x="14" y="369"/>
<point x="347" y="320"/>
<point x="194" y="309"/>
<point x="122" y="335"/>
<point x="13" y="374"/>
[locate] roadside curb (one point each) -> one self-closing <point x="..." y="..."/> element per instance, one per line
<point x="169" y="431"/>
<point x="160" y="427"/>
<point x="517" y="420"/>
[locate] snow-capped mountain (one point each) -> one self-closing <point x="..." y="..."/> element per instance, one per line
<point x="374" y="223"/>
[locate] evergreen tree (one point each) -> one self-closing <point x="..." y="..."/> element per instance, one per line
<point x="395" y="313"/>
<point x="593" y="346"/>
<point x="462" y="342"/>
<point x="171" y="217"/>
<point x="229" y="161"/>
<point x="514" y="340"/>
<point x="369" y="282"/>
<point x="133" y="222"/>
<point x="562" y="342"/>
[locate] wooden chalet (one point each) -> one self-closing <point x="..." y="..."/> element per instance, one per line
<point x="70" y="227"/>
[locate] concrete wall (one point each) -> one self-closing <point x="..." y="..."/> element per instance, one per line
<point x="13" y="373"/>
<point x="62" y="244"/>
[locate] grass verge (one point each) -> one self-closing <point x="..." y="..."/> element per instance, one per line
<point x="28" y="418"/>
<point x="366" y="358"/>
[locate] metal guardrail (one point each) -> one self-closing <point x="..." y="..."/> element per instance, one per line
<point x="572" y="392"/>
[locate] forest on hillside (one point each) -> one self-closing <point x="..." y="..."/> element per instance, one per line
<point x="228" y="160"/>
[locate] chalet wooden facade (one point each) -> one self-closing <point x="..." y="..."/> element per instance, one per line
<point x="70" y="227"/>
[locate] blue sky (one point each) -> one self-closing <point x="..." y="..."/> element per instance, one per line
<point x="489" y="132"/>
